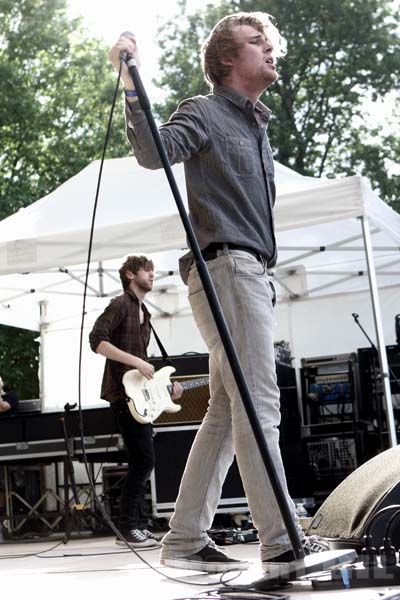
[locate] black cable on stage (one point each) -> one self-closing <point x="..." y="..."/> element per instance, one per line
<point x="237" y="593"/>
<point x="37" y="554"/>
<point x="390" y="523"/>
<point x="75" y="555"/>
<point x="84" y="454"/>
<point x="390" y="508"/>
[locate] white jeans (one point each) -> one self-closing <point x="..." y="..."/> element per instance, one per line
<point x="245" y="294"/>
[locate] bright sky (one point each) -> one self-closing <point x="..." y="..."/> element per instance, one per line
<point x="109" y="19"/>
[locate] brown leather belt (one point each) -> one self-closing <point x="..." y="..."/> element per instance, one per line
<point x="211" y="251"/>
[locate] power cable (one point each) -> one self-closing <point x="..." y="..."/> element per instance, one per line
<point x="11" y="556"/>
<point x="375" y="516"/>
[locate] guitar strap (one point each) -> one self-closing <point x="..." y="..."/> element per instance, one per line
<point x="163" y="351"/>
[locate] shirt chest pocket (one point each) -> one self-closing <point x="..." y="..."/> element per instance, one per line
<point x="239" y="156"/>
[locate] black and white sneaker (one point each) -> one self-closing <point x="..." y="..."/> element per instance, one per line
<point x="209" y="560"/>
<point x="152" y="536"/>
<point x="138" y="539"/>
<point x="278" y="564"/>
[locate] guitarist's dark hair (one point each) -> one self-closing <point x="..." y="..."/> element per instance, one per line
<point x="133" y="264"/>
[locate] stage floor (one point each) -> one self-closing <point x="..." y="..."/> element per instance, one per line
<point x="97" y="569"/>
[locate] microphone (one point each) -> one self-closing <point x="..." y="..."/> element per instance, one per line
<point x="123" y="55"/>
<point x="134" y="73"/>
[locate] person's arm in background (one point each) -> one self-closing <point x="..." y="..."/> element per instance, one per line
<point x="8" y="400"/>
<point x="4" y="406"/>
<point x="107" y="349"/>
<point x="101" y="335"/>
<point x="111" y="352"/>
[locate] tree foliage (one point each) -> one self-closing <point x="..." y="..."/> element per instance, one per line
<point x="338" y="55"/>
<point x="19" y="362"/>
<point x="56" y="87"/>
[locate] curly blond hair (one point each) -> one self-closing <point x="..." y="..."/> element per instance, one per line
<point x="222" y="44"/>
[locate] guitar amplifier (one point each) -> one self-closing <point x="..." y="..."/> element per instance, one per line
<point x="194" y="402"/>
<point x="187" y="364"/>
<point x="172" y="445"/>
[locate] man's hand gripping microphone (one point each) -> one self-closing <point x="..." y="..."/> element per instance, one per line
<point x="134" y="73"/>
<point x="123" y="55"/>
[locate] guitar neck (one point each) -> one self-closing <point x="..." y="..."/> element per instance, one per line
<point x="191" y="384"/>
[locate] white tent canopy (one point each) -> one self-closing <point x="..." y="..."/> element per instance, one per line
<point x="323" y="230"/>
<point x="136" y="210"/>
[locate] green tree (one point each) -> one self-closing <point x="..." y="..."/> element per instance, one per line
<point x="338" y="54"/>
<point x="56" y="88"/>
<point x="19" y="362"/>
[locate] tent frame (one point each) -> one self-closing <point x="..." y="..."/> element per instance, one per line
<point x="305" y="252"/>
<point x="376" y="309"/>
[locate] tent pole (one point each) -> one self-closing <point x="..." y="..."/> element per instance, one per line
<point x="376" y="309"/>
<point x="293" y="352"/>
<point x="42" y="328"/>
<point x="101" y="279"/>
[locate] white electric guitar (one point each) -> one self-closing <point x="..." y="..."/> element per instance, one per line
<point x="148" y="398"/>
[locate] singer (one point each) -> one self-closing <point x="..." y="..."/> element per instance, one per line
<point x="222" y="140"/>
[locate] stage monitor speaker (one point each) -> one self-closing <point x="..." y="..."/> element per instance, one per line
<point x="172" y="445"/>
<point x="344" y="517"/>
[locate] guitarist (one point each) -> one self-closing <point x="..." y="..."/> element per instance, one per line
<point x="121" y="334"/>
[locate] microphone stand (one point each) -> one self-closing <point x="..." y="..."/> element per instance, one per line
<point x="356" y="319"/>
<point x="219" y="318"/>
<point x="69" y="476"/>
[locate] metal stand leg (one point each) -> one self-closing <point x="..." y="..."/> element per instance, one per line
<point x="79" y="509"/>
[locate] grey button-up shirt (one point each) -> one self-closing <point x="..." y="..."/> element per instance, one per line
<point x="229" y="170"/>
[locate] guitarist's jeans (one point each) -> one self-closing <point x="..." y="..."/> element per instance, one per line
<point x="138" y="440"/>
<point x="247" y="298"/>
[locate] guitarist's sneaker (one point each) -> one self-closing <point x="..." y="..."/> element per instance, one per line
<point x="209" y="560"/>
<point x="139" y="539"/>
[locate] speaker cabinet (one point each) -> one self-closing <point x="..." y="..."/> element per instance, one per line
<point x="194" y="402"/>
<point x="371" y="388"/>
<point x="113" y="480"/>
<point x="172" y="446"/>
<point x="345" y="516"/>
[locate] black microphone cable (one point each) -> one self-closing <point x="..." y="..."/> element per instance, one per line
<point x="25" y="555"/>
<point x="378" y="514"/>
